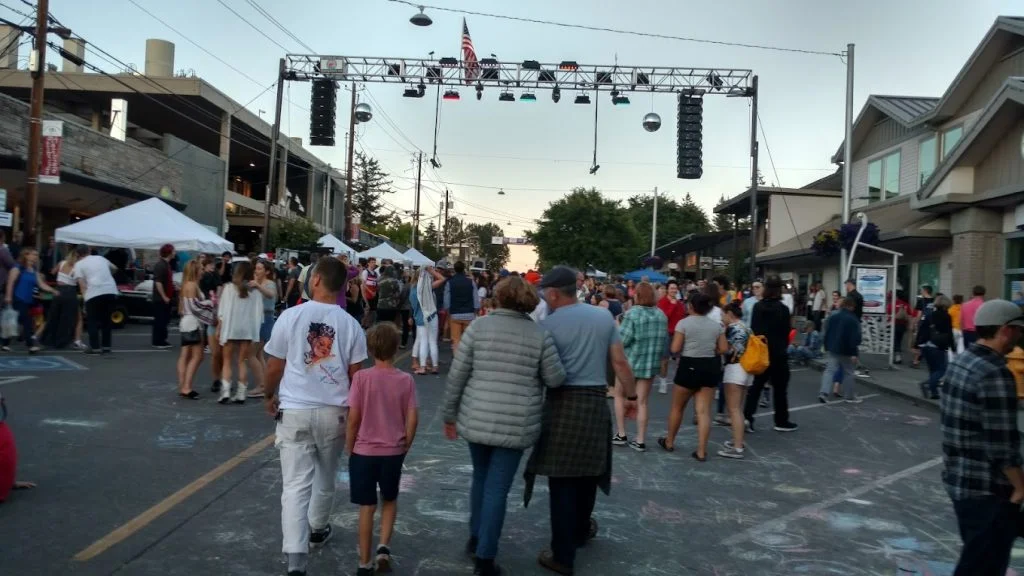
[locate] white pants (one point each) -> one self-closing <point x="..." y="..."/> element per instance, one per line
<point x="310" y="442"/>
<point x="426" y="343"/>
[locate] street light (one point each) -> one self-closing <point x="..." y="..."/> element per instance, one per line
<point x="421" y="19"/>
<point x="363" y="112"/>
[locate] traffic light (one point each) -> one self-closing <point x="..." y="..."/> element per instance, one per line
<point x="689" y="158"/>
<point x="323" y="102"/>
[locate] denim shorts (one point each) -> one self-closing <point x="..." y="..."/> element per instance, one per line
<point x="267" y="326"/>
<point x="366" y="473"/>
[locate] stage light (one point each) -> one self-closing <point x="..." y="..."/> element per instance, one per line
<point x="620" y="100"/>
<point x="451" y="95"/>
<point x="507" y="97"/>
<point x="569" y="66"/>
<point x="556" y="95"/>
<point x="527" y="97"/>
<point x="583" y="99"/>
<point x="479" y="90"/>
<point x="531" y="65"/>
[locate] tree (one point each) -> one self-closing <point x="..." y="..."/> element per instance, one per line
<point x="479" y="236"/>
<point x="585" y="228"/>
<point x="394" y="229"/>
<point x="723" y="222"/>
<point x="428" y="242"/>
<point x="369" y="184"/>
<point x="675" y="219"/>
<point x="298" y="233"/>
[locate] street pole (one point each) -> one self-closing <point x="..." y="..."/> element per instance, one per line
<point x="753" y="179"/>
<point x="416" y="206"/>
<point x="446" y="203"/>
<point x="35" y="125"/>
<point x="351" y="156"/>
<point x="847" y="157"/>
<point x="275" y="134"/>
<point x="654" y="223"/>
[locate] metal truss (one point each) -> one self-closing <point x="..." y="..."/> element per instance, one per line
<point x="529" y="74"/>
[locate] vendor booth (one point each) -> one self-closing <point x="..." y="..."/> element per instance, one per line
<point x="650" y="274"/>
<point x="146" y="225"/>
<point x="337" y="246"/>
<point x="416" y="258"/>
<point x="383" y="251"/>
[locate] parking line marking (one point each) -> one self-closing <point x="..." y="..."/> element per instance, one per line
<point x="129" y="528"/>
<point x="144" y="519"/>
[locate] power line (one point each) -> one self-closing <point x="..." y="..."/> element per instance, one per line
<point x="280" y="26"/>
<point x="618" y="31"/>
<point x="251" y="25"/>
<point x="785" y="202"/>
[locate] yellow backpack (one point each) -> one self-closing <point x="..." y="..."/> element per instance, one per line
<point x="755" y="358"/>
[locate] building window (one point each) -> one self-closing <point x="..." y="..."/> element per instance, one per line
<point x="950" y="138"/>
<point x="884" y="177"/>
<point x="926" y="159"/>
<point x="928" y="275"/>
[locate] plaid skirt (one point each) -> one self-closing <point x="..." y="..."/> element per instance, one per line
<point x="575" y="439"/>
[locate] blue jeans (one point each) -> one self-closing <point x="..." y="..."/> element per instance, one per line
<point x="494" y="470"/>
<point x="838" y="369"/>
<point x="937" y="360"/>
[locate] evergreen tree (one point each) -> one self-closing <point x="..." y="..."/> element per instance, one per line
<point x="369" y="185"/>
<point x="723" y="222"/>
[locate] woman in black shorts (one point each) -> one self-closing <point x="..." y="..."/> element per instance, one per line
<point x="702" y="342"/>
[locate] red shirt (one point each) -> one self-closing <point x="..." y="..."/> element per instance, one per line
<point x="674" y="312"/>
<point x="900" y="305"/>
<point x="967" y="312"/>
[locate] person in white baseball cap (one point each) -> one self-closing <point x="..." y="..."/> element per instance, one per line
<point x="980" y="442"/>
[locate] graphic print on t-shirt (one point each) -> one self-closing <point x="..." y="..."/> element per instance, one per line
<point x="320" y="339"/>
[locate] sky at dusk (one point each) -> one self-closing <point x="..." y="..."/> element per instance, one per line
<point x="537" y="152"/>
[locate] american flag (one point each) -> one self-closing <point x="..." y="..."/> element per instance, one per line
<point x="469" y="55"/>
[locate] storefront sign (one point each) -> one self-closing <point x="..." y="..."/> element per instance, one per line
<point x="872" y="283"/>
<point x="49" y="169"/>
<point x="6" y="219"/>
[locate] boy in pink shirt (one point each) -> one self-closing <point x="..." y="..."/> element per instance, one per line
<point x="382" y="421"/>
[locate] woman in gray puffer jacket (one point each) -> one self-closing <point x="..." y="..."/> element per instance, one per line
<point x="495" y="393"/>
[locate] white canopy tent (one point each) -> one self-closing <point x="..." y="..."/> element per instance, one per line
<point x="383" y="251"/>
<point x="417" y="258"/>
<point x="145" y="225"/>
<point x="337" y="246"/>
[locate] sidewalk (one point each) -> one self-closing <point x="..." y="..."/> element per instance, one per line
<point x="901" y="380"/>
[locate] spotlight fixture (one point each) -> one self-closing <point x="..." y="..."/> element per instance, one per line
<point x="252" y="164"/>
<point x="501" y="192"/>
<point x="568" y="66"/>
<point x="507" y="97"/>
<point x="434" y="162"/>
<point x="556" y="95"/>
<point x="595" y="168"/>
<point x="582" y="99"/>
<point x="479" y="90"/>
<point x="421" y="19"/>
<point x="620" y="100"/>
<point x="451" y="95"/>
<point x="527" y="97"/>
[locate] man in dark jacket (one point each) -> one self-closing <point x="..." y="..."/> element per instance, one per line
<point x="462" y="301"/>
<point x="842" y="337"/>
<point x="858" y="299"/>
<point x="770" y="319"/>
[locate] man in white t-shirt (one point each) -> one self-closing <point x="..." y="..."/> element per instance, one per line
<point x="96" y="281"/>
<point x="313" y="352"/>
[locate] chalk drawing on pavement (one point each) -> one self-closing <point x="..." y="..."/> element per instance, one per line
<point x="38" y="364"/>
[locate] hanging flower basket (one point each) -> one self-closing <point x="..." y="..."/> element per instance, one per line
<point x="826" y="243"/>
<point x="654" y="262"/>
<point x="848" y="234"/>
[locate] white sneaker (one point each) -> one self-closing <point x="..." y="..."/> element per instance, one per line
<point x="225" y="392"/>
<point x="662" y="385"/>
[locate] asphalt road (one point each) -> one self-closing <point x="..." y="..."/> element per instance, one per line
<point x="133" y="480"/>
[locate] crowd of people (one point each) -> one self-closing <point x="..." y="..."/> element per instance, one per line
<point x="534" y="359"/>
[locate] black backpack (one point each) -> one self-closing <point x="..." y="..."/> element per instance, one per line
<point x="389" y="294"/>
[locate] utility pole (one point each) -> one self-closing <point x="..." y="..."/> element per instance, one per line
<point x="753" y="179"/>
<point x="351" y="155"/>
<point x="416" y="208"/>
<point x="847" y="160"/>
<point x="446" y="204"/>
<point x="654" y="223"/>
<point x="275" y="134"/>
<point x="35" y="123"/>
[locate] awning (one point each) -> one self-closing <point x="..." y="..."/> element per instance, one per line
<point x="701" y="242"/>
<point x="895" y="219"/>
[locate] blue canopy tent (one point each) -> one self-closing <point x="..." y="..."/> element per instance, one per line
<point x="651" y="274"/>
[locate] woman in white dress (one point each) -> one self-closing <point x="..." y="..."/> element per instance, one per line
<point x="240" y="312"/>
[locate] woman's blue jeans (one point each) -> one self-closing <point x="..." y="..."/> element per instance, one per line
<point x="937" y="360"/>
<point x="494" y="470"/>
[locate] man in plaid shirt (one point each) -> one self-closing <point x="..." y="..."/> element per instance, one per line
<point x="981" y="444"/>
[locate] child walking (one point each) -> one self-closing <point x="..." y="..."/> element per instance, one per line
<point x="382" y="423"/>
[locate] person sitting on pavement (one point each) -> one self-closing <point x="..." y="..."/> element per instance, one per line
<point x="842" y="337"/>
<point x="980" y="442"/>
<point x="810" y="348"/>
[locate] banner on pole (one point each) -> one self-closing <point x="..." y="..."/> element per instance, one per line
<point x="872" y="284"/>
<point x="49" y="169"/>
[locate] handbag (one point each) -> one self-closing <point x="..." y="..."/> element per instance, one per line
<point x="191" y="337"/>
<point x="9" y="323"/>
